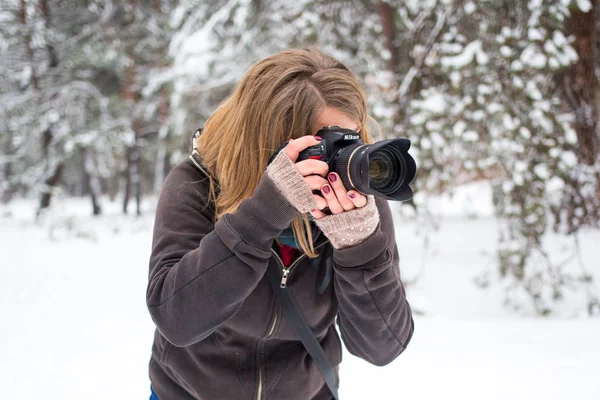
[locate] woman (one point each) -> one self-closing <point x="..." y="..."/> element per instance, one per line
<point x="222" y="214"/>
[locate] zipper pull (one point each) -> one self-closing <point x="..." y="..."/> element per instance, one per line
<point x="286" y="272"/>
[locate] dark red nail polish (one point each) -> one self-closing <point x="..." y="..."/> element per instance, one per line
<point x="352" y="195"/>
<point x="326" y="189"/>
<point x="332" y="177"/>
<point x="319" y="138"/>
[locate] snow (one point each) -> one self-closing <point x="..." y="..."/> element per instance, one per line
<point x="76" y="326"/>
<point x="534" y="34"/>
<point x="459" y="127"/>
<point x="541" y="170"/>
<point x="534" y="4"/>
<point x="455" y="78"/>
<point x="478" y="115"/>
<point x="470" y="136"/>
<point x="569" y="159"/>
<point x="471" y="50"/>
<point x="584" y="5"/>
<point x="470" y="7"/>
<point x="493" y="108"/>
<point x="508" y="122"/>
<point x="554" y="152"/>
<point x="533" y="91"/>
<point x="569" y="56"/>
<point x="434" y="103"/>
<point x="559" y="39"/>
<point x="516" y="65"/>
<point x="532" y="57"/>
<point x="525" y="133"/>
<point x="555" y="184"/>
<point x="571" y="136"/>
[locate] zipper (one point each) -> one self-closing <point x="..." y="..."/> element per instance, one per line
<point x="286" y="270"/>
<point x="259" y="391"/>
<point x="193" y="160"/>
<point x="260" y="384"/>
<point x="286" y="273"/>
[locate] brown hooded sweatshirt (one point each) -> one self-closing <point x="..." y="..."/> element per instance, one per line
<point x="222" y="334"/>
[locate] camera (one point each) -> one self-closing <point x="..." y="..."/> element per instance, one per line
<point x="383" y="169"/>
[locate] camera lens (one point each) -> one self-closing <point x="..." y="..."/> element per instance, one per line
<point x="385" y="169"/>
<point x="378" y="170"/>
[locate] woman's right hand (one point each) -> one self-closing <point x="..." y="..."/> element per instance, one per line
<point x="313" y="171"/>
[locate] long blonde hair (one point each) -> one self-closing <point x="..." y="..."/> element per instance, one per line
<point x="278" y="99"/>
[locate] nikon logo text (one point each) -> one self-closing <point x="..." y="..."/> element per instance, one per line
<point x="351" y="137"/>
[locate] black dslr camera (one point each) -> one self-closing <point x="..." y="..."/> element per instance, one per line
<point x="383" y="169"/>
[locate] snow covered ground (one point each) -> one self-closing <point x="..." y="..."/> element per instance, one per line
<point x="75" y="324"/>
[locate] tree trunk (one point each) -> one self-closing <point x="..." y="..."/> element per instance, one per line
<point x="92" y="184"/>
<point x="136" y="178"/>
<point x="161" y="167"/>
<point x="583" y="83"/>
<point x="130" y="96"/>
<point x="51" y="182"/>
<point x="127" y="177"/>
<point x="387" y="14"/>
<point x="52" y="57"/>
<point x="7" y="189"/>
<point x="28" y="49"/>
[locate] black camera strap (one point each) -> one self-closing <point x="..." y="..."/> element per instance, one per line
<point x="303" y="330"/>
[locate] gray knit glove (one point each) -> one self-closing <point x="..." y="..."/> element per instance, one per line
<point x="349" y="228"/>
<point x="290" y="183"/>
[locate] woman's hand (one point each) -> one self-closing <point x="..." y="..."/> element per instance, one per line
<point x="335" y="196"/>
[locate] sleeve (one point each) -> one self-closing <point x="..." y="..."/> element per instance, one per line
<point x="200" y="272"/>
<point x="374" y="316"/>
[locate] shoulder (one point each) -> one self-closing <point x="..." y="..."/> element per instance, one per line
<point x="185" y="187"/>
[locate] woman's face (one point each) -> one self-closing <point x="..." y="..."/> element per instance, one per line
<point x="331" y="117"/>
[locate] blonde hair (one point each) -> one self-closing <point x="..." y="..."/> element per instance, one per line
<point x="278" y="99"/>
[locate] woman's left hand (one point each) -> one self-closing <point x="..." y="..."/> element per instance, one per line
<point x="337" y="198"/>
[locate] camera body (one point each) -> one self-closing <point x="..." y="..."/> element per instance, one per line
<point x="383" y="169"/>
<point x="335" y="139"/>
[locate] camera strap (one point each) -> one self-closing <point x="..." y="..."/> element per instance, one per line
<point x="303" y="330"/>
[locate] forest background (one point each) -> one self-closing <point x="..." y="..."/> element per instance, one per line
<point x="100" y="99"/>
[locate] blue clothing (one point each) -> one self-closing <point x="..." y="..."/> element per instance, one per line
<point x="153" y="395"/>
<point x="287" y="235"/>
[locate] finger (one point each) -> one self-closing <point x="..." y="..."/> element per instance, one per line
<point x="357" y="198"/>
<point x="316" y="213"/>
<point x="334" y="205"/>
<point x="321" y="202"/>
<point x="340" y="191"/>
<point x="295" y="146"/>
<point x="312" y="167"/>
<point x="315" y="182"/>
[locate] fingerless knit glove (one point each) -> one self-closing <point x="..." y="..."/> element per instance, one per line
<point x="343" y="230"/>
<point x="290" y="183"/>
<point x="349" y="228"/>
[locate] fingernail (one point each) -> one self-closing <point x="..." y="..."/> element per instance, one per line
<point x="319" y="138"/>
<point x="352" y="195"/>
<point x="326" y="189"/>
<point x="332" y="177"/>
